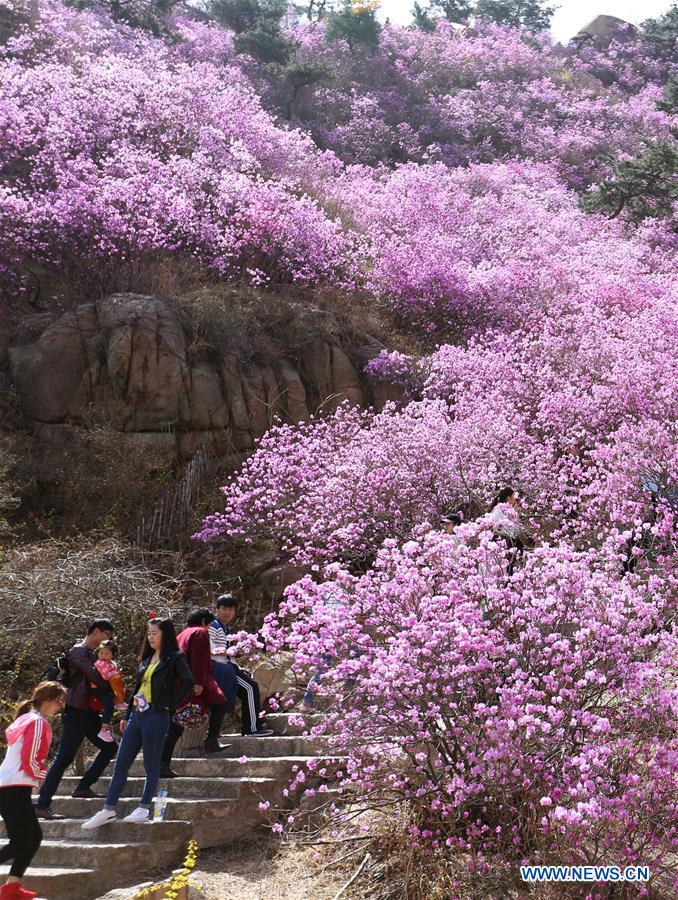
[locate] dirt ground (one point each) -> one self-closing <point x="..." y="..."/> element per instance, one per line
<point x="266" y="872"/>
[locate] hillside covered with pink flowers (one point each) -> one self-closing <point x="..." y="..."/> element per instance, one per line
<point x="501" y="691"/>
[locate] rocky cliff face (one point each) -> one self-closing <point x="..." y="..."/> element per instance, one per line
<point x="126" y="360"/>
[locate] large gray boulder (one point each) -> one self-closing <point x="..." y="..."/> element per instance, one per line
<point x="607" y="29"/>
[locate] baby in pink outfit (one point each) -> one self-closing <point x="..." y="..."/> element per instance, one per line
<point x="109" y="670"/>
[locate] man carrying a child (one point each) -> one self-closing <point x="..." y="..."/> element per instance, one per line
<point x="79" y="720"/>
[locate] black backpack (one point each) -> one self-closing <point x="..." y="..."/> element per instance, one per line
<point x="58" y="671"/>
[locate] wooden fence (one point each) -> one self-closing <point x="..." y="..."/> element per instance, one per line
<point x="160" y="526"/>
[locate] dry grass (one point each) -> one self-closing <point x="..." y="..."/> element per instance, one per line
<point x="267" y="871"/>
<point x="259" y="325"/>
<point x="51" y="590"/>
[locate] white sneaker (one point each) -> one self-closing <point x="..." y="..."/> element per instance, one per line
<point x="103" y="817"/>
<point x="138" y="815"/>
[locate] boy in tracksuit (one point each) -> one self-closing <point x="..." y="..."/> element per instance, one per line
<point x="234" y="681"/>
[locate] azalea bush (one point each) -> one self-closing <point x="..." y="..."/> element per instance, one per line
<point x="336" y="489"/>
<point x="455" y="252"/>
<point x="506" y="708"/>
<point x="119" y="149"/>
<point x="561" y="380"/>
<point x="500" y="706"/>
<point x="124" y="147"/>
<point x="483" y="93"/>
<point x="522" y="719"/>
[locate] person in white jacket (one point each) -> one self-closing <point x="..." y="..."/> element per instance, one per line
<point x="24" y="767"/>
<point x="504" y="520"/>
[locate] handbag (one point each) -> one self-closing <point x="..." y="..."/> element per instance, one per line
<point x="192" y="715"/>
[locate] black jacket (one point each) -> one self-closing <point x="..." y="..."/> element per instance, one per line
<point x="171" y="683"/>
<point x="81" y="673"/>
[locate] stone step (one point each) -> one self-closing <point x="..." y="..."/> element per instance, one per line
<point x="192" y="742"/>
<point x="107" y="857"/>
<point x="276" y="745"/>
<point x="183" y="808"/>
<point x="213" y="787"/>
<point x="59" y="883"/>
<point x="213" y="822"/>
<point x="214" y="801"/>
<point x="167" y="831"/>
<point x="223" y="767"/>
<point x="280" y="722"/>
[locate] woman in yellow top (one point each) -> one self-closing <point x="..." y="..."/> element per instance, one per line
<point x="163" y="681"/>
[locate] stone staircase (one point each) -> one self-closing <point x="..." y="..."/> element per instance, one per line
<point x="215" y="802"/>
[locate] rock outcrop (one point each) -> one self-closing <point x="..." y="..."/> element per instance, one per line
<point x="126" y="360"/>
<point x="607" y="29"/>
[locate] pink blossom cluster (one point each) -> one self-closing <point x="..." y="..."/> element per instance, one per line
<point x="485" y="93"/>
<point x="117" y="147"/>
<point x="530" y="718"/>
<point x="517" y="707"/>
<point x="511" y="709"/>
<point x="460" y="251"/>
<point x="564" y="381"/>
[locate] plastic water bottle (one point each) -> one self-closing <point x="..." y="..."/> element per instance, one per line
<point x="160" y="806"/>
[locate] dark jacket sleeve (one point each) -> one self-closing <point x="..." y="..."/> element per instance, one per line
<point x="81" y="660"/>
<point x="183" y="680"/>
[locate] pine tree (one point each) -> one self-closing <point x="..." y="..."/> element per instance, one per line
<point x="641" y="188"/>
<point x="662" y="31"/>
<point x="266" y="42"/>
<point x="422" y="18"/>
<point x="531" y="14"/>
<point x="355" y="25"/>
<point x="243" y="15"/>
<point x="647" y="185"/>
<point x="452" y="10"/>
<point x="301" y="75"/>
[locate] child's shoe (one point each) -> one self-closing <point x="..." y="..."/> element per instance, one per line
<point x="105" y="734"/>
<point x="121" y="706"/>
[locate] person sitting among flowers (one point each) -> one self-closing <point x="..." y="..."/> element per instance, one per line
<point x="450" y="522"/>
<point x="504" y="520"/>
<point x="233" y="680"/>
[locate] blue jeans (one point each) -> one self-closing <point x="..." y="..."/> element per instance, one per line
<point x="107" y="700"/>
<point x="321" y="667"/>
<point x="145" y="731"/>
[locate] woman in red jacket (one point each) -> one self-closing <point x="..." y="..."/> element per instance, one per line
<point x="28" y="742"/>
<point x="194" y="642"/>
